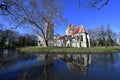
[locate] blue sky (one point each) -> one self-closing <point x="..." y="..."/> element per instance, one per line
<point x="91" y="19"/>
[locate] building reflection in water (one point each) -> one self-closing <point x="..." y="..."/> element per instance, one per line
<point x="75" y="63"/>
<point x="21" y="66"/>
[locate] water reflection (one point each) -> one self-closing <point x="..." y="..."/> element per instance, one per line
<point x="19" y="66"/>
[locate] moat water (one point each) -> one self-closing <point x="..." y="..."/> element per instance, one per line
<point x="21" y="66"/>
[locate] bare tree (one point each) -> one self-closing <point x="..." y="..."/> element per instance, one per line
<point x="97" y="4"/>
<point x="1" y="26"/>
<point x="1" y="31"/>
<point x="4" y="36"/>
<point x="103" y="37"/>
<point x="118" y="36"/>
<point x="34" y="12"/>
<point x="90" y="4"/>
<point x="37" y="13"/>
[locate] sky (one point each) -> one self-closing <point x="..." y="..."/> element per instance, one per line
<point x="91" y="19"/>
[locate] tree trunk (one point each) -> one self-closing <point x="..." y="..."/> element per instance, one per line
<point x="46" y="42"/>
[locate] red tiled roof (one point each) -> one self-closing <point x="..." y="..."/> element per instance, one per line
<point x="79" y="29"/>
<point x="62" y="37"/>
<point x="83" y="29"/>
<point x="75" y="31"/>
<point x="68" y="36"/>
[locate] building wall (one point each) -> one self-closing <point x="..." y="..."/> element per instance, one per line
<point x="83" y="43"/>
<point x="77" y="40"/>
<point x="88" y="42"/>
<point x="58" y="43"/>
<point x="41" y="42"/>
<point x="74" y="42"/>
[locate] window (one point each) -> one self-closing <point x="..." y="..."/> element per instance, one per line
<point x="78" y="38"/>
<point x="81" y="37"/>
<point x="40" y="44"/>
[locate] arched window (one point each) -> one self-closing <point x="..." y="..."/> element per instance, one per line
<point x="81" y="37"/>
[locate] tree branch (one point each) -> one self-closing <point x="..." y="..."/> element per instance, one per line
<point x="94" y="4"/>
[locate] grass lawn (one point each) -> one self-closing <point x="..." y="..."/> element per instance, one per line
<point x="37" y="49"/>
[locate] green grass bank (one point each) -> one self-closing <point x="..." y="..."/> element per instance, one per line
<point x="37" y="49"/>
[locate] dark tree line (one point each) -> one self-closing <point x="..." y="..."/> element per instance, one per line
<point x="103" y="36"/>
<point x="12" y="39"/>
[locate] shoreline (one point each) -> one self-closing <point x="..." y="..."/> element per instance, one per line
<point x="7" y="48"/>
<point x="53" y="52"/>
<point x="68" y="50"/>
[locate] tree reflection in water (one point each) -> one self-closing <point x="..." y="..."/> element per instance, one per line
<point x="20" y="66"/>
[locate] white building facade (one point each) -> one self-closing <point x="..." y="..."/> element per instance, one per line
<point x="74" y="37"/>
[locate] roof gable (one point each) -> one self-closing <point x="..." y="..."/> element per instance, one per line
<point x="79" y="29"/>
<point x="75" y="30"/>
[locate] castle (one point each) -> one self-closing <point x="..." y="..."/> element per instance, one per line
<point x="74" y="37"/>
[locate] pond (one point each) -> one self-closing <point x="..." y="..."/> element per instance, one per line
<point x="21" y="66"/>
